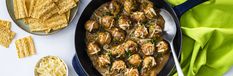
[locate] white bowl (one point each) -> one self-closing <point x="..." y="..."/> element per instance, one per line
<point x="37" y="64"/>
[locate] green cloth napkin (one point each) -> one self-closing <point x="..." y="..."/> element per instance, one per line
<point x="207" y="48"/>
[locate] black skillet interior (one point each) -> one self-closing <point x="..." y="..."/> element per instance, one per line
<point x="84" y="64"/>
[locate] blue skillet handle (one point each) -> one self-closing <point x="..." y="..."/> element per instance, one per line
<point x="77" y="67"/>
<point x="182" y="8"/>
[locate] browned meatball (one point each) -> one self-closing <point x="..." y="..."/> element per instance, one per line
<point x="104" y="38"/>
<point x="103" y="60"/>
<point x="150" y="13"/>
<point x="114" y="7"/>
<point x="132" y="72"/>
<point x="129" y="5"/>
<point x="93" y="48"/>
<point x="118" y="34"/>
<point x="160" y="21"/>
<point x="148" y="9"/>
<point x="107" y="22"/>
<point x="91" y="25"/>
<point x="118" y="66"/>
<point x="141" y="32"/>
<point x="130" y="46"/>
<point x="162" y="47"/>
<point x="138" y="16"/>
<point x="148" y="48"/>
<point x="148" y="63"/>
<point x="155" y="31"/>
<point x="135" y="60"/>
<point x="124" y="23"/>
<point x="117" y="51"/>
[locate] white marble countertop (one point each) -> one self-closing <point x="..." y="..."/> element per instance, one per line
<point x="59" y="44"/>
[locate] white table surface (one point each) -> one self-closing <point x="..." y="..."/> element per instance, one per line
<point x="59" y="44"/>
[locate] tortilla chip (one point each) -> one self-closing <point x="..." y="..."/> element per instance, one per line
<point x="25" y="47"/>
<point x="65" y="5"/>
<point x="20" y="10"/>
<point x="43" y="8"/>
<point x="6" y="35"/>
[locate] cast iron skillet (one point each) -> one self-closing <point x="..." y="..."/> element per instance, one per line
<point x="83" y="65"/>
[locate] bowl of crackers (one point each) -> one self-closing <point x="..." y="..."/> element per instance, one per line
<point x="42" y="17"/>
<point x="51" y="66"/>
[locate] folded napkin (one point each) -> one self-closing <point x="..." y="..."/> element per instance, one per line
<point x="207" y="48"/>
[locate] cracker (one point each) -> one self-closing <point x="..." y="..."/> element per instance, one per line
<point x="6" y="38"/>
<point x="50" y="14"/>
<point x="6" y="35"/>
<point x="36" y="25"/>
<point x="65" y="5"/>
<point x="47" y="15"/>
<point x="5" y="24"/>
<point x="25" y="47"/>
<point x="76" y="1"/>
<point x="20" y="10"/>
<point x="68" y="16"/>
<point x="57" y="22"/>
<point x="30" y="6"/>
<point x="29" y="20"/>
<point x="55" y="0"/>
<point x="43" y="8"/>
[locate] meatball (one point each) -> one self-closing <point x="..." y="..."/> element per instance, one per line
<point x="91" y="25"/>
<point x="147" y="8"/>
<point x="162" y="47"/>
<point x="118" y="66"/>
<point x="141" y="32"/>
<point x="117" y="51"/>
<point x="135" y="60"/>
<point x="93" y="48"/>
<point x="148" y="48"/>
<point x="124" y="23"/>
<point x="114" y="7"/>
<point x="129" y="5"/>
<point x="107" y="22"/>
<point x="103" y="60"/>
<point x="150" y="13"/>
<point x="130" y="46"/>
<point x="160" y="21"/>
<point x="132" y="72"/>
<point x="138" y="16"/>
<point x="118" y="34"/>
<point x="104" y="38"/>
<point x="155" y="31"/>
<point x="148" y="63"/>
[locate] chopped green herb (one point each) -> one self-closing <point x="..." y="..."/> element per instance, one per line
<point x="139" y="67"/>
<point x="158" y="55"/>
<point x="154" y="40"/>
<point x="128" y="53"/>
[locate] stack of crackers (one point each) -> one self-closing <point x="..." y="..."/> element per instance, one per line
<point x="44" y="15"/>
